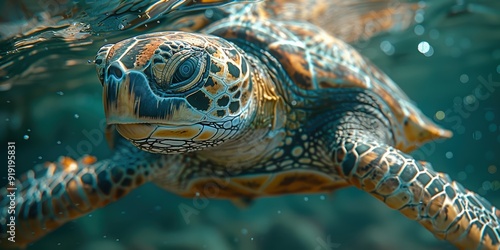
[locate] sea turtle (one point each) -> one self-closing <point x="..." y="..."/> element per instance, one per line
<point x="251" y="107"/>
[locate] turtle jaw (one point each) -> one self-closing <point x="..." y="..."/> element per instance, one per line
<point x="168" y="139"/>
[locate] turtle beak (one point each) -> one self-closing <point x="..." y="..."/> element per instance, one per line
<point x="101" y="61"/>
<point x="118" y="98"/>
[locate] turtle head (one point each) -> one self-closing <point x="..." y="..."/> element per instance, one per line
<point x="175" y="92"/>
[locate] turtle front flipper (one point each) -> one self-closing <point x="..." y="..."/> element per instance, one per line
<point x="55" y="193"/>
<point x="441" y="205"/>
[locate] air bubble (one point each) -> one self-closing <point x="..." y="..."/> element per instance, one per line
<point x="486" y="185"/>
<point x="26" y="137"/>
<point x="306" y="199"/>
<point x="470" y="99"/>
<point x="449" y="154"/>
<point x="419" y="17"/>
<point x="464" y="78"/>
<point x="440" y="115"/>
<point x="492" y="169"/>
<point x="425" y="48"/>
<point x="60" y="93"/>
<point x="77" y="116"/>
<point x="209" y="13"/>
<point x="387" y="48"/>
<point x="489" y="116"/>
<point x="58" y="142"/>
<point x="419" y="30"/>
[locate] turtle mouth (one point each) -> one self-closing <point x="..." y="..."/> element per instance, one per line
<point x="146" y="131"/>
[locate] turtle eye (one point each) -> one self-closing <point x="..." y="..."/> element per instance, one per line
<point x="185" y="70"/>
<point x="181" y="72"/>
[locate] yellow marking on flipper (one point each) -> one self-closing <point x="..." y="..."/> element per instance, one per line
<point x="436" y="204"/>
<point x="88" y="159"/>
<point x="72" y="188"/>
<point x="364" y="166"/>
<point x="91" y="194"/>
<point x="399" y="199"/>
<point x="68" y="164"/>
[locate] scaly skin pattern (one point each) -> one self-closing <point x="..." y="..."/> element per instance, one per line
<point x="412" y="187"/>
<point x="254" y="107"/>
<point x="54" y="193"/>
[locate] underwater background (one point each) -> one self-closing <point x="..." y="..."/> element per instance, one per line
<point x="50" y="105"/>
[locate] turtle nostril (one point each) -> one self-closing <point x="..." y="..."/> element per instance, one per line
<point x="115" y="71"/>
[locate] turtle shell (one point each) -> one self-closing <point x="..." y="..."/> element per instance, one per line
<point x="314" y="61"/>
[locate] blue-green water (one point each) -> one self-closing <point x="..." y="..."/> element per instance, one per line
<point x="52" y="109"/>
